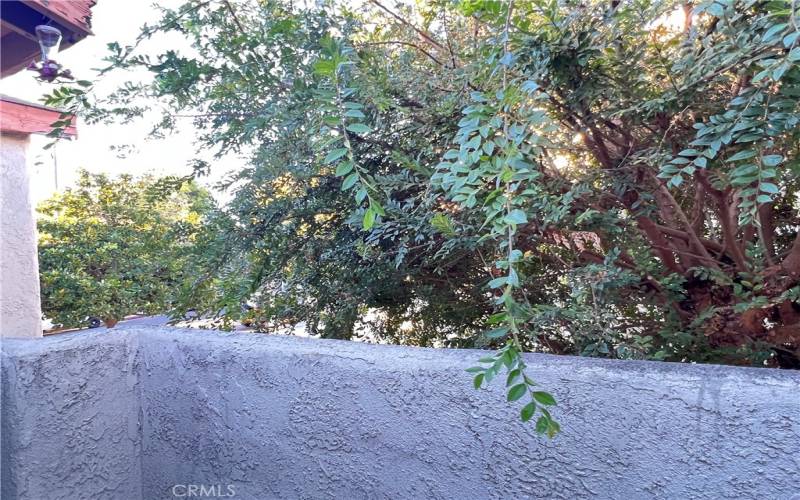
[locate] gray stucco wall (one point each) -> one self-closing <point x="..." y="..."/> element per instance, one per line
<point x="70" y="417"/>
<point x="277" y="417"/>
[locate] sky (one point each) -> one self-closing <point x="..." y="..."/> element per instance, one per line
<point x="112" y="21"/>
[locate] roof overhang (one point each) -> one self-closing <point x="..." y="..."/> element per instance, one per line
<point x="21" y="117"/>
<point x="18" y="40"/>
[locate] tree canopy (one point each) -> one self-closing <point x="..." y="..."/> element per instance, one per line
<point x="113" y="247"/>
<point x="614" y="179"/>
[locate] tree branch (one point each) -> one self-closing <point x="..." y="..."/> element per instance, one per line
<point x="399" y="42"/>
<point x="425" y="36"/>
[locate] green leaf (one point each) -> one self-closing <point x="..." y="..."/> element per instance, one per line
<point x="551" y="426"/>
<point x="544" y="398"/>
<point x="667" y="171"/>
<point x="742" y="155"/>
<point x="778" y="28"/>
<point x="513" y="277"/>
<point x="324" y="67"/>
<point x="376" y="207"/>
<point x="749" y="138"/>
<point x="744" y="170"/>
<point x="349" y="181"/>
<point x="763" y="198"/>
<point x="768" y="187"/>
<point x="369" y="218"/>
<point x="676" y="181"/>
<point x="513" y="375"/>
<point x="331" y="121"/>
<point x="497" y="318"/>
<point x="478" y="380"/>
<point x="715" y="10"/>
<point x="354" y="113"/>
<point x="335" y="155"/>
<point x="761" y="75"/>
<point x="743" y="181"/>
<point x="542" y="424"/>
<point x="475" y="369"/>
<point x="497" y="332"/>
<point x="778" y="72"/>
<point x="358" y="128"/>
<point x="527" y="411"/>
<point x="498" y="282"/>
<point x="344" y="168"/>
<point x="771" y="160"/>
<point x="508" y="358"/>
<point x="516" y="216"/>
<point x="517" y="392"/>
<point x="529" y="86"/>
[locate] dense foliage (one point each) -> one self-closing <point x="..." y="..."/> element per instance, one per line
<point x="613" y="179"/>
<point x="113" y="247"/>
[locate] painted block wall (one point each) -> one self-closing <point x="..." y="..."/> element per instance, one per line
<point x="70" y="417"/>
<point x="276" y="417"/>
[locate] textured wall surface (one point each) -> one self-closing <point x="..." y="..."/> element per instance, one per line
<point x="276" y="417"/>
<point x="303" y="418"/>
<point x="70" y="417"/>
<point x="20" y="308"/>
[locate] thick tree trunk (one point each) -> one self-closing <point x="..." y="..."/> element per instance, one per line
<point x="777" y="326"/>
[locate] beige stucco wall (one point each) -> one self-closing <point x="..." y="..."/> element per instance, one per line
<point x="20" y="305"/>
